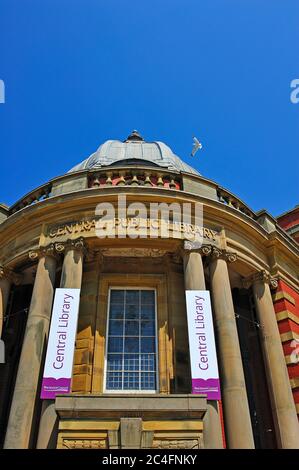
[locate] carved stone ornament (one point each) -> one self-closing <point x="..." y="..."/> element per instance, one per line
<point x="177" y="444"/>
<point x="205" y="250"/>
<point x="55" y="249"/>
<point x="216" y="253"/>
<point x="198" y="247"/>
<point x="261" y="276"/>
<point x="133" y="252"/>
<point x="59" y="247"/>
<point x="48" y="250"/>
<point x="188" y="245"/>
<point x="2" y="272"/>
<point x="77" y="244"/>
<point x="273" y="283"/>
<point x="91" y="443"/>
<point x="210" y="250"/>
<point x="228" y="256"/>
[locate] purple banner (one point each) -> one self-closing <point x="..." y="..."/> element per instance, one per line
<point x="209" y="387"/>
<point x="52" y="387"/>
<point x="61" y="344"/>
<point x="204" y="366"/>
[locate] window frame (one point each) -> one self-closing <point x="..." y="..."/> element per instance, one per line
<point x="132" y="391"/>
<point x="165" y="341"/>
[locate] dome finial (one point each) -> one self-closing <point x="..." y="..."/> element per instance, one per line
<point x="134" y="136"/>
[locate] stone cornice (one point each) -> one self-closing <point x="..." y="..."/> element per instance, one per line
<point x="55" y="249"/>
<point x="261" y="276"/>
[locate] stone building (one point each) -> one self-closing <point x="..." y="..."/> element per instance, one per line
<point x="131" y="383"/>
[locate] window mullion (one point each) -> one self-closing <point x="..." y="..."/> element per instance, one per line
<point x="124" y="337"/>
<point x="139" y="345"/>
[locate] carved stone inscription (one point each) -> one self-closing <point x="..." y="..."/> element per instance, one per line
<point x="88" y="227"/>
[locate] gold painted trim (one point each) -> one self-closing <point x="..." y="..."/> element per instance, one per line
<point x="297" y="408"/>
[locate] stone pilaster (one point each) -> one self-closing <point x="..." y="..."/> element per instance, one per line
<point x="21" y="419"/>
<point x="71" y="277"/>
<point x="236" y="410"/>
<point x="283" y="406"/>
<point x="195" y="280"/>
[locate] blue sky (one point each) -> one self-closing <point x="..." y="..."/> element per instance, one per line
<point x="79" y="72"/>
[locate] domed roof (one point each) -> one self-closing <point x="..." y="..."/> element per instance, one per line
<point x="134" y="151"/>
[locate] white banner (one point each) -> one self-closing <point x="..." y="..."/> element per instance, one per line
<point x="60" y="352"/>
<point x="204" y="366"/>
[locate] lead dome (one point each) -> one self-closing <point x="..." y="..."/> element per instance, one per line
<point x="134" y="151"/>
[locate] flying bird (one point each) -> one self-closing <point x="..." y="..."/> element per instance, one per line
<point x="196" y="146"/>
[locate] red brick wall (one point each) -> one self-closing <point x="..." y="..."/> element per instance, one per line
<point x="289" y="220"/>
<point x="286" y="305"/>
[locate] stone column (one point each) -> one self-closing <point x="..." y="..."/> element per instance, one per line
<point x="237" y="420"/>
<point x="20" y="427"/>
<point x="5" y="285"/>
<point x="72" y="268"/>
<point x="195" y="280"/>
<point x="71" y="277"/>
<point x="282" y="402"/>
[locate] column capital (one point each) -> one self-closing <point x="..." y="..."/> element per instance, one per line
<point x="261" y="276"/>
<point x="78" y="244"/>
<point x="197" y="248"/>
<point x="48" y="250"/>
<point x="228" y="256"/>
<point x="10" y="275"/>
<point x="57" y="248"/>
<point x="209" y="250"/>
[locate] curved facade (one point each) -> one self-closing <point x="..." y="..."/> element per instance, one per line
<point x="126" y="392"/>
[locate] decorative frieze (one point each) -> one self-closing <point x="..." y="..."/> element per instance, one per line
<point x="88" y="443"/>
<point x="133" y="252"/>
<point x="174" y="443"/>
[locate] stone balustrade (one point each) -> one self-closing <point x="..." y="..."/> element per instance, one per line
<point x="39" y="194"/>
<point x="229" y="199"/>
<point x="123" y="176"/>
<point x="134" y="177"/>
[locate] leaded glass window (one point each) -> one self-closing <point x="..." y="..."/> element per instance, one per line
<point x="131" y="346"/>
